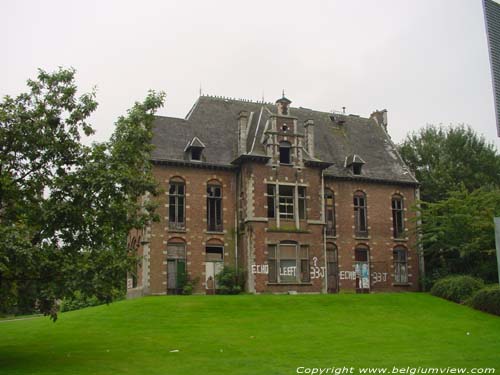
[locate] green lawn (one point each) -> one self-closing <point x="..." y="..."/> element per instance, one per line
<point x="267" y="334"/>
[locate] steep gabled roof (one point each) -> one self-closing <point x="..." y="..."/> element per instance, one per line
<point x="214" y="120"/>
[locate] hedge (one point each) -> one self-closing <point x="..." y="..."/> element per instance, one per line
<point x="487" y="299"/>
<point x="456" y="288"/>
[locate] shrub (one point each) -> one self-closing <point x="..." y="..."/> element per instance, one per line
<point x="487" y="299"/>
<point x="230" y="281"/>
<point x="79" y="301"/>
<point x="456" y="288"/>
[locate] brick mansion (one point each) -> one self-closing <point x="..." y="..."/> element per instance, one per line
<point x="301" y="200"/>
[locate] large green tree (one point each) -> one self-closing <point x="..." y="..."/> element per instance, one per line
<point x="458" y="234"/>
<point x="65" y="208"/>
<point x="444" y="158"/>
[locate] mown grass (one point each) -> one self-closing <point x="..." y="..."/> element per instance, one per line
<point x="267" y="334"/>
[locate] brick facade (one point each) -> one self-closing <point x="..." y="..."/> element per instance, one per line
<point x="282" y="249"/>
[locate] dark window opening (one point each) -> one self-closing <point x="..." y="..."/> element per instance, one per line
<point x="400" y="265"/>
<point x="214" y="253"/>
<point x="302" y="202"/>
<point x="271" y="201"/>
<point x="196" y="153"/>
<point x="360" y="214"/>
<point x="286" y="201"/>
<point x="214" y="208"/>
<point x="398" y="217"/>
<point x="285" y="153"/>
<point x="176" y="205"/>
<point x="330" y="213"/>
<point x="356" y="168"/>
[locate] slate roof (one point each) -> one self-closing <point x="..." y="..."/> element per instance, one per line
<point x="213" y="120"/>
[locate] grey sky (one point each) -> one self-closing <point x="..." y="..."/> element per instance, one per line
<point x="425" y="61"/>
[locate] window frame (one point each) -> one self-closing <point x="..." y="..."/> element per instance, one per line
<point x="360" y="214"/>
<point x="276" y="259"/>
<point x="400" y="264"/>
<point x="330" y="225"/>
<point x="174" y="223"/>
<point x="285" y="202"/>
<point x="398" y="224"/>
<point x="214" y="203"/>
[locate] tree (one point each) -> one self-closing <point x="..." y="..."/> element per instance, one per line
<point x="458" y="234"/>
<point x="66" y="209"/>
<point x="443" y="158"/>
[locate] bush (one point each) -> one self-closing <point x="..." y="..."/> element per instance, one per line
<point x="230" y="281"/>
<point x="456" y="288"/>
<point x="487" y="299"/>
<point x="79" y="301"/>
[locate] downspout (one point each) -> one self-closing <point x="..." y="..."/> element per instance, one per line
<point x="420" y="248"/>
<point x="323" y="216"/>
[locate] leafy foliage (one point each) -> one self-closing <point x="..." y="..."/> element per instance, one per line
<point x="230" y="281"/>
<point x="65" y="208"/>
<point x="457" y="288"/>
<point x="458" y="233"/>
<point x="487" y="299"/>
<point x="443" y="158"/>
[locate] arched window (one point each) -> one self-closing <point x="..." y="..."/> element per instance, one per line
<point x="398" y="216"/>
<point x="400" y="258"/>
<point x="362" y="268"/>
<point x="330" y="213"/>
<point x="214" y="207"/>
<point x="360" y="214"/>
<point x="177" y="204"/>
<point x="285" y="152"/>
<point x="288" y="263"/>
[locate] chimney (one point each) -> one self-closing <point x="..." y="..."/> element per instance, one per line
<point x="309" y="139"/>
<point x="380" y="118"/>
<point x="242" y="132"/>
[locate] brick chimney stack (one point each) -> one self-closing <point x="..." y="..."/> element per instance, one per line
<point x="380" y="118"/>
<point x="242" y="132"/>
<point x="309" y="137"/>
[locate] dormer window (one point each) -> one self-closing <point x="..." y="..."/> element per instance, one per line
<point x="285" y="152"/>
<point x="355" y="163"/>
<point x="196" y="154"/>
<point x="194" y="149"/>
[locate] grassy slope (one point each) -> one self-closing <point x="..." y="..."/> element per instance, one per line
<point x="252" y="335"/>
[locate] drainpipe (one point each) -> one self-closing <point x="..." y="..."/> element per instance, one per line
<point x="323" y="216"/>
<point x="420" y="249"/>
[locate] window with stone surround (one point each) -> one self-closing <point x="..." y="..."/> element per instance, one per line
<point x="330" y="213"/>
<point x="288" y="263"/>
<point x="285" y="152"/>
<point x="214" y="207"/>
<point x="398" y="216"/>
<point x="400" y="259"/>
<point x="177" y="204"/>
<point x="286" y="202"/>
<point x="360" y="214"/>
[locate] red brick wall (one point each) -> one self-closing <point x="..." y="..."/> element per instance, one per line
<point x="195" y="236"/>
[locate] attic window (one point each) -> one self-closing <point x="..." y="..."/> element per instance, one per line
<point x="196" y="154"/>
<point x="284" y="127"/>
<point x="356" y="168"/>
<point x="355" y="163"/>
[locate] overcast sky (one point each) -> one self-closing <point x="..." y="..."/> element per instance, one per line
<point x="426" y="61"/>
